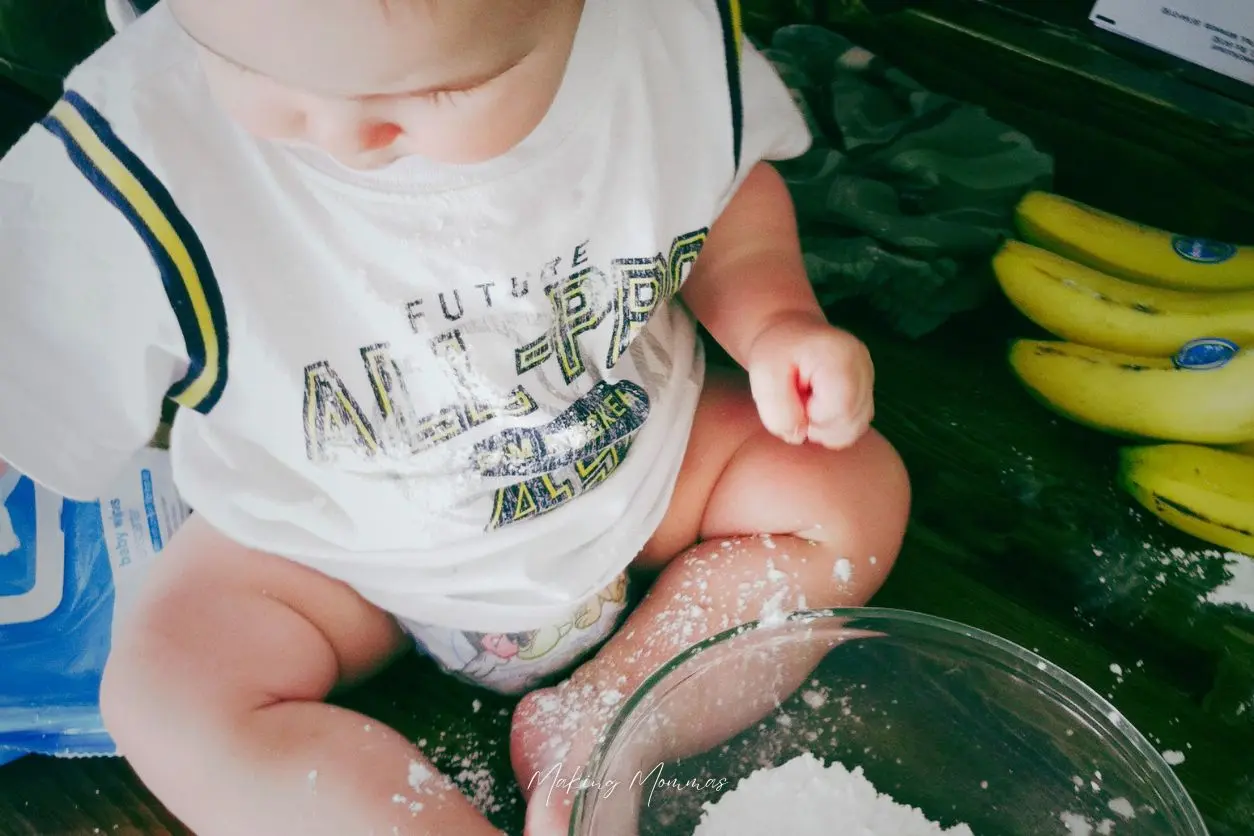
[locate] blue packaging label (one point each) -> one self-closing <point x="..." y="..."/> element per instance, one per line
<point x="1202" y="250"/>
<point x="1206" y="354"/>
<point x="67" y="569"/>
<point x="17" y="535"/>
<point x="32" y="551"/>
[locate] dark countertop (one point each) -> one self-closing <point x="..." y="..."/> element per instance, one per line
<point x="1017" y="526"/>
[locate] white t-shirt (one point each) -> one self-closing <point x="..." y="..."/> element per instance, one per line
<point x="464" y="390"/>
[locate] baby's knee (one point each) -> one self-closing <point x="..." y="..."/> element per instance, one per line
<point x="865" y="499"/>
<point x="135" y="699"/>
<point x="856" y="496"/>
<point x="891" y="480"/>
<point x="122" y="698"/>
<point x="876" y="506"/>
<point x="156" y="686"/>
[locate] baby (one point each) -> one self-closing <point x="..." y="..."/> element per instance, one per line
<point x="424" y="277"/>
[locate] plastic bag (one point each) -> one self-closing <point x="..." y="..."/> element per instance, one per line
<point x="66" y="570"/>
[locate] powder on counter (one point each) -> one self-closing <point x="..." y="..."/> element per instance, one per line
<point x="1076" y="824"/>
<point x="1122" y="807"/>
<point x="805" y="798"/>
<point x="1239" y="589"/>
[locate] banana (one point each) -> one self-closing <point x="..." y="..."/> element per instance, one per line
<point x="1146" y="397"/>
<point x="1086" y="306"/>
<point x="1202" y="491"/>
<point x="1131" y="251"/>
<point x="1245" y="448"/>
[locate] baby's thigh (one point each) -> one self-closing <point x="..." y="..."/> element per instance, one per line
<point x="725" y="420"/>
<point x="220" y="630"/>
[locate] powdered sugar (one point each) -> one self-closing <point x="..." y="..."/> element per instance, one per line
<point x="1239" y="589"/>
<point x="471" y="761"/>
<point x="814" y="699"/>
<point x="1078" y="825"/>
<point x="774" y="575"/>
<point x="570" y="713"/>
<point x="803" y="798"/>
<point x="773" y="610"/>
<point x="843" y="570"/>
<point x="418" y="774"/>
<point x="1122" y="807"/>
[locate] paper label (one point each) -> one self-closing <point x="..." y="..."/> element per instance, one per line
<point x="138" y="516"/>
<point x="1215" y="34"/>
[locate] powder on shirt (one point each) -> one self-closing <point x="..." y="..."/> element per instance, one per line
<point x="805" y="798"/>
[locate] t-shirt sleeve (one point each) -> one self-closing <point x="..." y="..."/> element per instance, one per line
<point x="774" y="127"/>
<point x="89" y="344"/>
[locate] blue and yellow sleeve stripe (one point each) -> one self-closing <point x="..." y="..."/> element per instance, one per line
<point x="733" y="40"/>
<point x="123" y="179"/>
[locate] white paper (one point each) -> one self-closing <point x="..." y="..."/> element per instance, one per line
<point x="1216" y="34"/>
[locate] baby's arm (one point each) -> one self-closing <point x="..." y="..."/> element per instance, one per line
<point x="810" y="381"/>
<point x="750" y="274"/>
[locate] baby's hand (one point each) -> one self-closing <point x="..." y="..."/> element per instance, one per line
<point x="812" y="382"/>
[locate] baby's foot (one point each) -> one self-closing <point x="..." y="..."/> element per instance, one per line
<point x="554" y="732"/>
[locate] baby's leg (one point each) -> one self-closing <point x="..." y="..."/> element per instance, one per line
<point x="214" y="693"/>
<point x="833" y="522"/>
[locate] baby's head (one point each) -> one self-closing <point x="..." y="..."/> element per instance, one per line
<point x="370" y="81"/>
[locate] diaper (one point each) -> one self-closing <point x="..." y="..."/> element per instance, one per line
<point x="514" y="663"/>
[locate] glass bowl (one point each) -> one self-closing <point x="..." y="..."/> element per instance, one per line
<point x="965" y="726"/>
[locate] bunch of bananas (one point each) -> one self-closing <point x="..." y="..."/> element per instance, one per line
<point x="1156" y="343"/>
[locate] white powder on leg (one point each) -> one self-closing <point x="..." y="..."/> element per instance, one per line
<point x="418" y="775"/>
<point x="843" y="570"/>
<point x="805" y="798"/>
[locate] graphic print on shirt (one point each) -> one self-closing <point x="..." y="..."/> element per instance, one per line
<point x="590" y="318"/>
